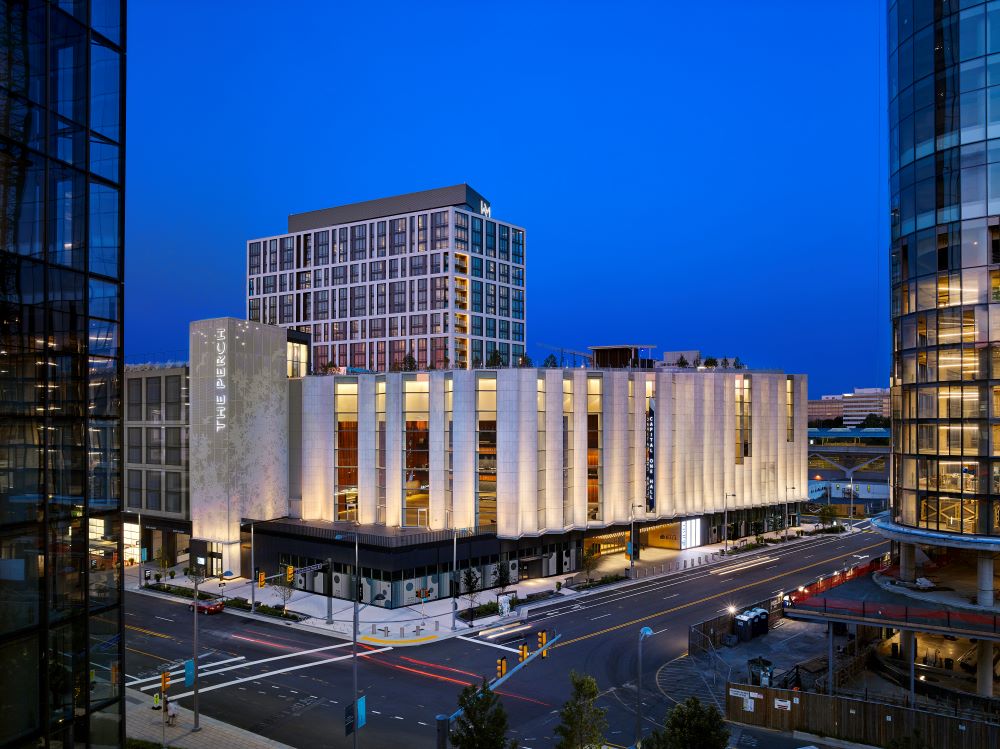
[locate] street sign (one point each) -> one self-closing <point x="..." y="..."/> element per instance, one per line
<point x="188" y="672"/>
<point x="361" y="712"/>
<point x="310" y="568"/>
<point x="145" y="554"/>
<point x="349" y="719"/>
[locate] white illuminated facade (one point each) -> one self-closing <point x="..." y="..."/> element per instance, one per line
<point x="238" y="432"/>
<point x="542" y="451"/>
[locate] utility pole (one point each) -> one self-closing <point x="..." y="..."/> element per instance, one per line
<point x="354" y="637"/>
<point x="643" y="634"/>
<point x="194" y="654"/>
<point x="253" y="570"/>
<point x="454" y="577"/>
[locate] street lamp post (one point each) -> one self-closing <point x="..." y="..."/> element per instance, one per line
<point x="253" y="572"/>
<point x="643" y="634"/>
<point x="725" y="518"/>
<point x="850" y="524"/>
<point x="454" y="577"/>
<point x="786" y="509"/>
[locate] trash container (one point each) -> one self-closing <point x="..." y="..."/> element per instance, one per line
<point x="760" y="671"/>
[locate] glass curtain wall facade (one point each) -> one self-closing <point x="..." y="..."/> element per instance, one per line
<point x="346" y="498"/>
<point x="486" y="452"/>
<point x="61" y="243"/>
<point x="944" y="119"/>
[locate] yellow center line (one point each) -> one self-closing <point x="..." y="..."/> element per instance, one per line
<point x="151" y="655"/>
<point x="148" y="632"/>
<point x="709" y="598"/>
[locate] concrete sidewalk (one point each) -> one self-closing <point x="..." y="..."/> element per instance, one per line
<point x="142" y="722"/>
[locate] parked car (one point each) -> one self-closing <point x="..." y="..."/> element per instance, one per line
<point x="208" y="607"/>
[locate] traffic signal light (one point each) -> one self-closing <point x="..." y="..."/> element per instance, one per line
<point x="543" y="637"/>
<point x="289" y="573"/>
<point x="164" y="682"/>
<point x="501" y="667"/>
<point x="260" y="579"/>
<point x="522" y="652"/>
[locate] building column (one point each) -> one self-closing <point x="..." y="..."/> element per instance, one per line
<point x="984" y="668"/>
<point x="907" y="563"/>
<point x="908" y="651"/>
<point x="985" y="578"/>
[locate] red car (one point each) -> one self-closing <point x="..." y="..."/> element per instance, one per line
<point x="208" y="607"/>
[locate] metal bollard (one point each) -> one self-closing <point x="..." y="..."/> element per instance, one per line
<point x="437" y="625"/>
<point x="402" y="631"/>
<point x="373" y="629"/>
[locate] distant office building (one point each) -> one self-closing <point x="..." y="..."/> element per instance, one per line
<point x="62" y="179"/>
<point x="850" y="464"/>
<point x="853" y="408"/>
<point x="827" y="407"/>
<point x="157" y="496"/>
<point x="429" y="275"/>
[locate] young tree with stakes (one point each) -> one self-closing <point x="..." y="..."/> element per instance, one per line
<point x="583" y="723"/>
<point x="483" y="723"/>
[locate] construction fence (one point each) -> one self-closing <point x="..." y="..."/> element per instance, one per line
<point x="851" y="719"/>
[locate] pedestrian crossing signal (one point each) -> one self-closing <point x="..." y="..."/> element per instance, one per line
<point x="522" y="652"/>
<point x="501" y="667"/>
<point x="543" y="637"/>
<point x="260" y="579"/>
<point x="165" y="681"/>
<point x="289" y="573"/>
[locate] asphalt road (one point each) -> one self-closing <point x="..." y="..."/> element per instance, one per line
<point x="293" y="686"/>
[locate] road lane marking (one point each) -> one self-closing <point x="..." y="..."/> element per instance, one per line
<point x="286" y="670"/>
<point x="674" y="580"/>
<point x="672" y="595"/>
<point x="689" y="604"/>
<point x="181" y="670"/>
<point x="496" y="645"/>
<point x="749" y="564"/>
<point x="151" y="655"/>
<point x="165" y="619"/>
<point x="148" y="632"/>
<point x="214" y="671"/>
<point x="599" y="617"/>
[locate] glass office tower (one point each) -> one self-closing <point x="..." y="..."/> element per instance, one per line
<point x="944" y="93"/>
<point x="62" y="168"/>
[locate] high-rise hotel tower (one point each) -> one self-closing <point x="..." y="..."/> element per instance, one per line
<point x="429" y="275"/>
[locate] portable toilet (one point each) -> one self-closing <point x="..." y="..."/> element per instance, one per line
<point x="760" y="622"/>
<point x="744" y="627"/>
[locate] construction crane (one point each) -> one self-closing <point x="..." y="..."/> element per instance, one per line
<point x="586" y="356"/>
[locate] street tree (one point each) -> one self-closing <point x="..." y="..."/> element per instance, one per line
<point x="690" y="725"/>
<point x="284" y="590"/>
<point x="827" y="513"/>
<point x="502" y="576"/>
<point x="582" y="722"/>
<point x="470" y="581"/>
<point x="591" y="558"/>
<point x="483" y="722"/>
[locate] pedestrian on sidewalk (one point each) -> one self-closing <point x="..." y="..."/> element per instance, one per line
<point x="171" y="712"/>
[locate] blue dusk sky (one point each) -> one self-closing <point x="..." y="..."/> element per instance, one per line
<point x="691" y="175"/>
